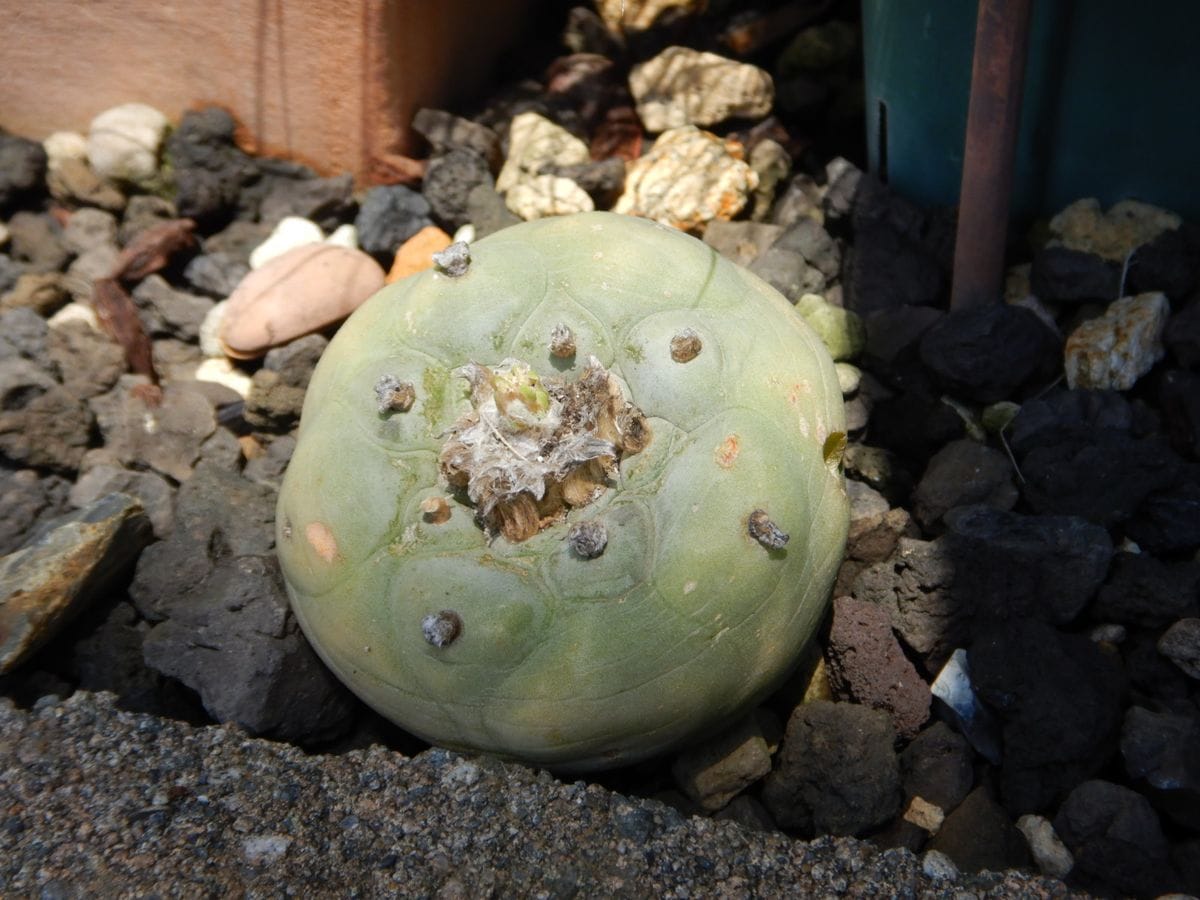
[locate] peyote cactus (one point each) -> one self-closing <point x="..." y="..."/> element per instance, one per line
<point x="573" y="504"/>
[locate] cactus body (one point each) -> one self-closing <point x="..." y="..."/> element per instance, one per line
<point x="578" y="558"/>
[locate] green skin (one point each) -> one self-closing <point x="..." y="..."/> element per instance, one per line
<point x="685" y="620"/>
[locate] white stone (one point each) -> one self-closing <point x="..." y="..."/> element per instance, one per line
<point x="220" y="370"/>
<point x="925" y="815"/>
<point x="344" y="236"/>
<point x="849" y="378"/>
<point x="547" y="195"/>
<point x="938" y="866"/>
<point x="124" y="142"/>
<point x="464" y="235"/>
<point x="534" y="141"/>
<point x="1114" y="234"/>
<point x="290" y="233"/>
<point x="687" y="179"/>
<point x="682" y="86"/>
<point x="638" y="15"/>
<point x="75" y="312"/>
<point x="1113" y="351"/>
<point x="1049" y="852"/>
<point x="210" y="331"/>
<point x="63" y="145"/>
<point x="265" y="849"/>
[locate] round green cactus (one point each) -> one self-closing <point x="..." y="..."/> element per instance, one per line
<point x="573" y="498"/>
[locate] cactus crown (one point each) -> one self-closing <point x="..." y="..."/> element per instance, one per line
<point x="528" y="450"/>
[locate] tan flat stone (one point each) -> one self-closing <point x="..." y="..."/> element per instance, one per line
<point x="302" y="291"/>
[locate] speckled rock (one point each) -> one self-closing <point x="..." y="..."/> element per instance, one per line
<point x="547" y="195"/>
<point x="87" y="361"/>
<point x="681" y="86"/>
<point x="1142" y="590"/>
<point x="534" y="141"/>
<point x="244" y="816"/>
<point x="688" y="178"/>
<point x="88" y="227"/>
<point x="1113" y="351"/>
<point x="50" y="580"/>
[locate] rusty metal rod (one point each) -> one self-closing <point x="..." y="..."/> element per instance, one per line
<point x="997" y="78"/>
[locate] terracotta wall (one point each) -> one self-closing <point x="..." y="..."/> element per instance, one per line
<point x="331" y="82"/>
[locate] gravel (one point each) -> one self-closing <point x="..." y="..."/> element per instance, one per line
<point x="98" y="802"/>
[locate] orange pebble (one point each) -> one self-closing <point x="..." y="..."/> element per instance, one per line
<point x="416" y="254"/>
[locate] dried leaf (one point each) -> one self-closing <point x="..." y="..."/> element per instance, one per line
<point x="119" y="318"/>
<point x="392" y="168"/>
<point x="153" y="248"/>
<point x="619" y="134"/>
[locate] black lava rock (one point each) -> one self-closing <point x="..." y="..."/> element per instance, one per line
<point x="837" y="772"/>
<point x="917" y="587"/>
<point x="1099" y="473"/>
<point x="1064" y="409"/>
<point x="1059" y="699"/>
<point x="208" y="168"/>
<point x="885" y="268"/>
<point x="1063" y="275"/>
<point x="963" y="472"/>
<point x="449" y="179"/>
<point x="1145" y="591"/>
<point x="22" y="169"/>
<point x="987" y="353"/>
<point x="914" y="424"/>
<point x="1170" y="263"/>
<point x="1168" y="521"/>
<point x="1017" y="566"/>
<point x="1182" y="335"/>
<point x="937" y="766"/>
<point x="388" y="217"/>
<point x="979" y="835"/>
<point x="1116" y="839"/>
<point x="1163" y="751"/>
<point x="326" y="201"/>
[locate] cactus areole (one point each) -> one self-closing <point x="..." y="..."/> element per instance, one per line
<point x="573" y="502"/>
